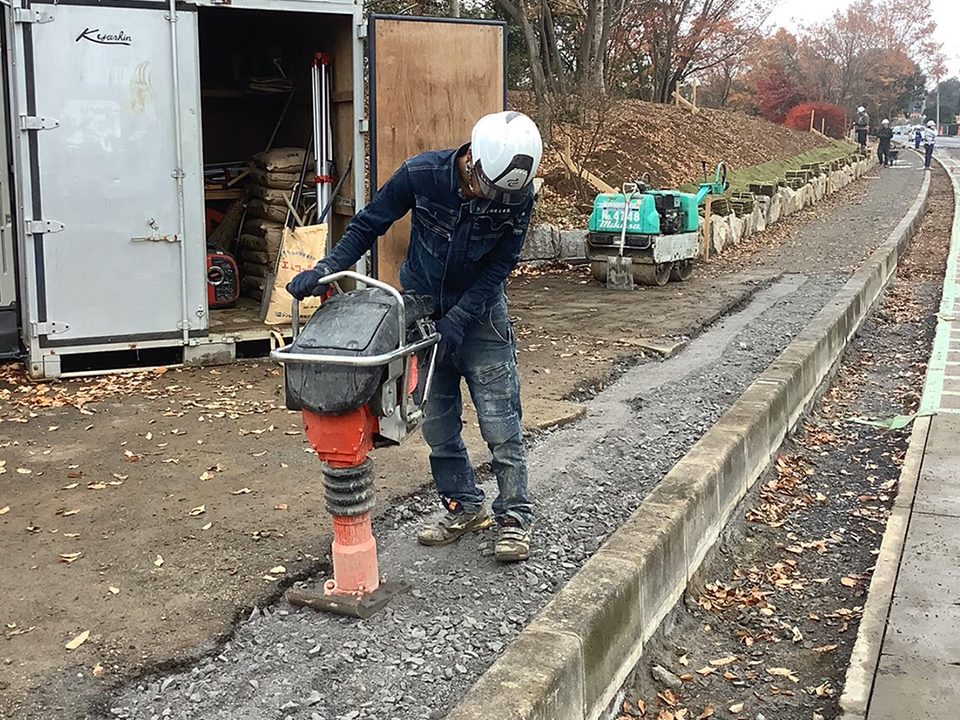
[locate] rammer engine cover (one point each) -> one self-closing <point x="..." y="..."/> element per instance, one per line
<point x="358" y="323"/>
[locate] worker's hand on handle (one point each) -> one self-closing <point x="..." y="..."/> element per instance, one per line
<point x="451" y="337"/>
<point x="307" y="283"/>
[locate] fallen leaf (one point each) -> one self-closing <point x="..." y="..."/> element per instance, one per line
<point x="683" y="660"/>
<point x="69" y="557"/>
<point x="199" y="510"/>
<point x="159" y="561"/>
<point x="98" y="670"/>
<point x="281" y="506"/>
<point x="783" y="672"/>
<point x="71" y="486"/>
<point x="113" y="590"/>
<point x="241" y="491"/>
<point x="68" y="513"/>
<point x="207" y="475"/>
<point x="71" y="535"/>
<point x="4" y="510"/>
<point x="825" y="648"/>
<point x="96" y="486"/>
<point x="668" y="697"/>
<point x="24" y="471"/>
<point x="848" y="582"/>
<point x="724" y="661"/>
<point x="78" y="640"/>
<point x="207" y="526"/>
<point x="707" y="712"/>
<point x="278" y="570"/>
<point x="120" y="477"/>
<point x="74" y="475"/>
<point x="641" y="707"/>
<point x="736" y="707"/>
<point x="149" y="436"/>
<point x="270" y="578"/>
<point x="797" y="636"/>
<point x="706" y="670"/>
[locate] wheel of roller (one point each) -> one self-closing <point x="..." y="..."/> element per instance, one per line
<point x="682" y="270"/>
<point x="650" y="274"/>
<point x="598" y="268"/>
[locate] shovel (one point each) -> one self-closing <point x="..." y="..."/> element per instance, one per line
<point x="620" y="268"/>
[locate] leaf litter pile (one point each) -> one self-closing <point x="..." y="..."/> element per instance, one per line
<point x="766" y="629"/>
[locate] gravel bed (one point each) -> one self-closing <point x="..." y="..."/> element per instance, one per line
<point x="417" y="658"/>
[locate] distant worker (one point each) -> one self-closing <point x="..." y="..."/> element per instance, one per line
<point x="470" y="208"/>
<point x="929" y="142"/>
<point x="863" y="127"/>
<point x="885" y="136"/>
<point x="917" y="136"/>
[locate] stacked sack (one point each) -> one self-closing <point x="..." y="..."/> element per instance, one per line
<point x="273" y="176"/>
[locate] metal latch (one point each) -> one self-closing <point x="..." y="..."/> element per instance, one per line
<point x="43" y="227"/>
<point x="35" y="122"/>
<point x="156" y="236"/>
<point x="362" y="30"/>
<point x="364" y="125"/>
<point x="51" y="327"/>
<point x="24" y="15"/>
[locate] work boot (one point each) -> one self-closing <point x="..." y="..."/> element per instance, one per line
<point x="513" y="543"/>
<point x="452" y="526"/>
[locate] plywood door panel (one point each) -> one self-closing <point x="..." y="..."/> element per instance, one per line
<point x="431" y="80"/>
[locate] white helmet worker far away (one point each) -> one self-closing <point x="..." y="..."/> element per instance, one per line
<point x="506" y="149"/>
<point x="861" y="109"/>
<point x="885" y="122"/>
<point x="931" y="124"/>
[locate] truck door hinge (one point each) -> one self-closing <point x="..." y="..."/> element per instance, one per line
<point x="42" y="227"/>
<point x="24" y="15"/>
<point x="51" y="327"/>
<point x="362" y="31"/>
<point x="36" y="122"/>
<point x="364" y="125"/>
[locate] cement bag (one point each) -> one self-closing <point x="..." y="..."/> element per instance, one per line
<point x="264" y="228"/>
<point x="271" y="196"/>
<point x="259" y="244"/>
<point x="302" y="248"/>
<point x="259" y="209"/>
<point x="285" y="160"/>
<point x="277" y="180"/>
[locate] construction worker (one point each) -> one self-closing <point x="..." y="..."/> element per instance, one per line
<point x="884" y="136"/>
<point x="863" y="127"/>
<point x="917" y="136"/>
<point x="470" y="212"/>
<point x="929" y="142"/>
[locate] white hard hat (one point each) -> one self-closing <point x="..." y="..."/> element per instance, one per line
<point x="861" y="109"/>
<point x="506" y="149"/>
<point x="931" y="124"/>
<point x="885" y="122"/>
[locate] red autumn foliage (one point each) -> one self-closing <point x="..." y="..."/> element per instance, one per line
<point x="831" y="118"/>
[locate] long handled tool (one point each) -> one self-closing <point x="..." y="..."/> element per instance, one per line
<point x="620" y="267"/>
<point x="321" y="77"/>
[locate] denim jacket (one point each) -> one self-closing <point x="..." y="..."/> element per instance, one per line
<point x="461" y="251"/>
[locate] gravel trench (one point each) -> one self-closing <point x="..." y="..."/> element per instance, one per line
<point x="417" y="658"/>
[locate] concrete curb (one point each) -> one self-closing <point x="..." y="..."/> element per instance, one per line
<point x="865" y="657"/>
<point x="569" y="663"/>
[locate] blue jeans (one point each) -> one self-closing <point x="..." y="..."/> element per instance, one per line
<point x="928" y="155"/>
<point x="487" y="361"/>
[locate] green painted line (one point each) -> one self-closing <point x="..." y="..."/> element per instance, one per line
<point x="937" y="366"/>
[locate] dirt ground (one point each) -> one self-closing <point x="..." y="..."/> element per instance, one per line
<point x="768" y="625"/>
<point x="150" y="510"/>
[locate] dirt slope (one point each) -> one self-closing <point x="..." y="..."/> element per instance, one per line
<point x="668" y="142"/>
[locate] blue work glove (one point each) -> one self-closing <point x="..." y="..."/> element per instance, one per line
<point x="451" y="337"/>
<point x="306" y="283"/>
